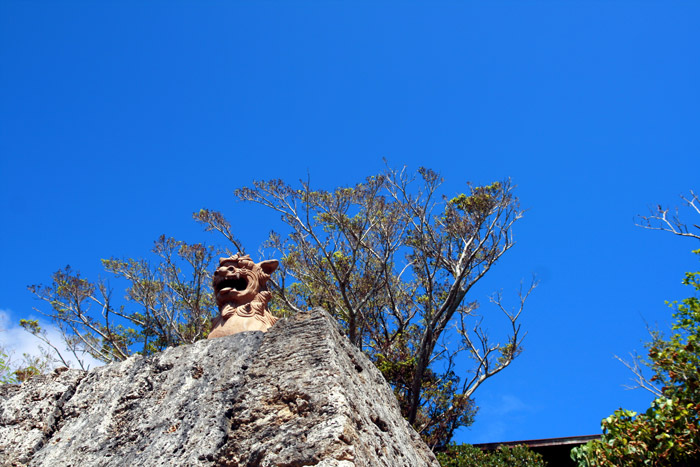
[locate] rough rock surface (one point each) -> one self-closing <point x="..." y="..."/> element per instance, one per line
<point x="298" y="395"/>
<point x="30" y="414"/>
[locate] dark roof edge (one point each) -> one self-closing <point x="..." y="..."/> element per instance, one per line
<point x="533" y="443"/>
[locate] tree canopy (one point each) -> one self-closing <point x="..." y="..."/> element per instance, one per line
<point x="391" y="258"/>
<point x="394" y="260"/>
<point x="167" y="302"/>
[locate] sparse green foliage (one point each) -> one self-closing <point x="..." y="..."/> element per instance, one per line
<point x="28" y="366"/>
<point x="6" y="374"/>
<point x="393" y="261"/>
<point x="167" y="303"/>
<point x="33" y="366"/>
<point x="466" y="455"/>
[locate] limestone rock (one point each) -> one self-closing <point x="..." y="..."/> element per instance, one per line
<point x="314" y="399"/>
<point x="165" y="410"/>
<point x="30" y="413"/>
<point x="298" y="395"/>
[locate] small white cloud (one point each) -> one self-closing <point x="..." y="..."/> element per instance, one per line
<point x="494" y="430"/>
<point x="17" y="342"/>
<point x="497" y="417"/>
<point x="510" y="404"/>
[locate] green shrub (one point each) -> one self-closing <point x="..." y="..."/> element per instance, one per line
<point x="466" y="455"/>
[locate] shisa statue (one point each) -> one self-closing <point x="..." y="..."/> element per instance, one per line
<point x="240" y="289"/>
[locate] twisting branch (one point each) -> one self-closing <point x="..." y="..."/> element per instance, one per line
<point x="640" y="380"/>
<point x="664" y="219"/>
<point x="493" y="358"/>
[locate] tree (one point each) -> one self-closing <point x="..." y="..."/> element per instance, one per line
<point x="13" y="372"/>
<point x="168" y="303"/>
<point x="668" y="433"/>
<point x="393" y="261"/>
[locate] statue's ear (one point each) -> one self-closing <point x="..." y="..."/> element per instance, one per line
<point x="269" y="266"/>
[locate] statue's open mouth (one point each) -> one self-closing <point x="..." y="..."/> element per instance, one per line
<point x="232" y="283"/>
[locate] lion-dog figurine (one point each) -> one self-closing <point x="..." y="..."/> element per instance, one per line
<point x="240" y="289"/>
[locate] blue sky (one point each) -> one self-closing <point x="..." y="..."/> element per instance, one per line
<point x="119" y="119"/>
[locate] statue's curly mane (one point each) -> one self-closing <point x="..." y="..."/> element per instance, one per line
<point x="257" y="309"/>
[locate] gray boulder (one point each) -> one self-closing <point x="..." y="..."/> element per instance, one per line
<point x="298" y="395"/>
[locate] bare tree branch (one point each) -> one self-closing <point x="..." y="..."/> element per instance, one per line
<point x="669" y="220"/>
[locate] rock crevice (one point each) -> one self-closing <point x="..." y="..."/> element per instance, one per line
<point x="31" y="414"/>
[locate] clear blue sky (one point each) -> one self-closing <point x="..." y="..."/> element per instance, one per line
<point x="119" y="119"/>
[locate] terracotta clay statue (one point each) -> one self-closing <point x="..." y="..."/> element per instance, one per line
<point x="240" y="289"/>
